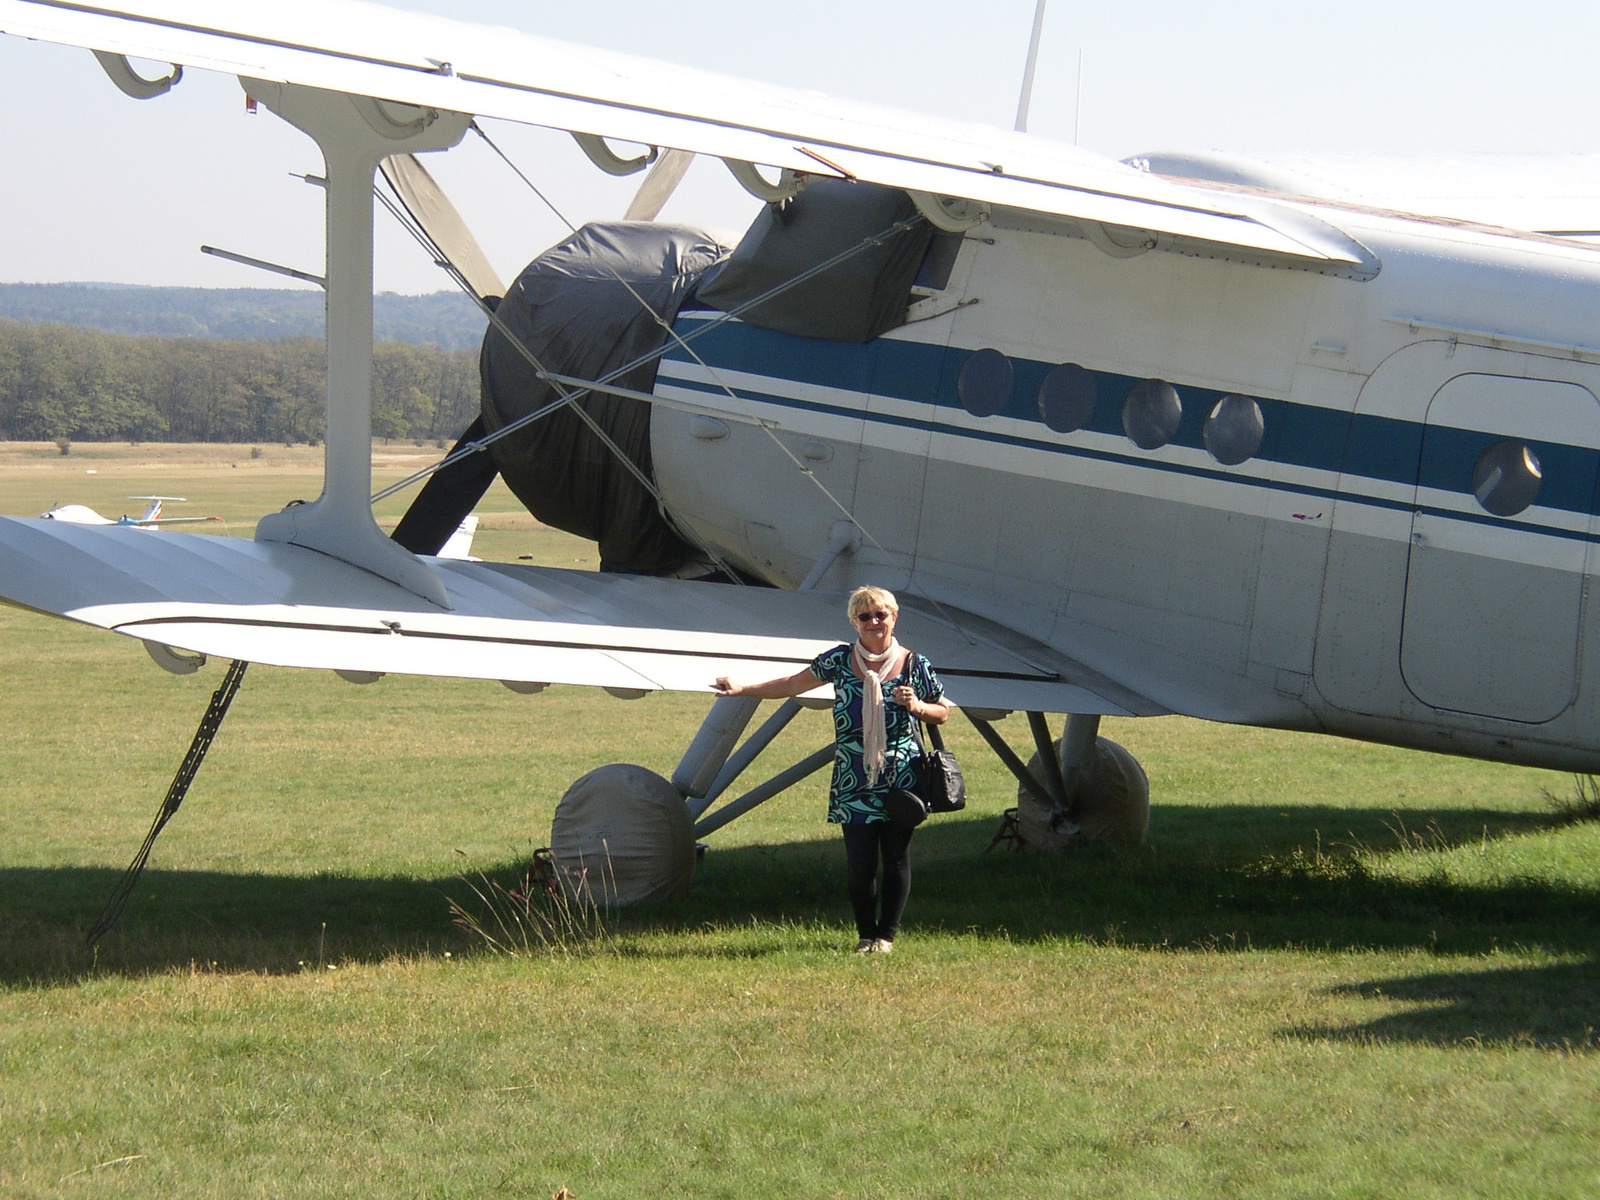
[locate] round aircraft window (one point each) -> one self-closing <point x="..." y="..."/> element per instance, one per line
<point x="1233" y="430"/>
<point x="1066" y="398"/>
<point x="1151" y="413"/>
<point x="985" y="383"/>
<point x="1506" y="478"/>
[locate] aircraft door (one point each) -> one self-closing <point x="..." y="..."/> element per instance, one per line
<point x="1499" y="537"/>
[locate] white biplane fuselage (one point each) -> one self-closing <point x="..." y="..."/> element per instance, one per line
<point x="1344" y="576"/>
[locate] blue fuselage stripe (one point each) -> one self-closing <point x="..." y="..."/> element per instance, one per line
<point x="1381" y="449"/>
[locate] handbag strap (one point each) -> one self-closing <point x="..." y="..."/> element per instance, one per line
<point x="918" y="725"/>
<point x="935" y="738"/>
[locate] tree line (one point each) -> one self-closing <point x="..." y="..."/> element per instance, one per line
<point x="445" y="319"/>
<point x="59" y="382"/>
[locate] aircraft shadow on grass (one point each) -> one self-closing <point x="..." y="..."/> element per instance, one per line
<point x="1549" y="1007"/>
<point x="1218" y="878"/>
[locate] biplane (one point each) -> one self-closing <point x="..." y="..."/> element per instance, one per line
<point x="1287" y="443"/>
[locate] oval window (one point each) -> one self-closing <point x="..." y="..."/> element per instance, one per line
<point x="1506" y="478"/>
<point x="1151" y="413"/>
<point x="985" y="383"/>
<point x="1066" y="398"/>
<point x="1233" y="430"/>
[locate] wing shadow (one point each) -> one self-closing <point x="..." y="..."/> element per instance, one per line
<point x="1554" y="1007"/>
<point x="1278" y="891"/>
<point x="1230" y="878"/>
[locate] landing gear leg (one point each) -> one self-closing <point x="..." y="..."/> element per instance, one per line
<point x="1077" y="788"/>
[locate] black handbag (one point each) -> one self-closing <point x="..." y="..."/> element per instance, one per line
<point x="904" y="808"/>
<point x="939" y="784"/>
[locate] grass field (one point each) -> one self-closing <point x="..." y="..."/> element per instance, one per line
<point x="1337" y="970"/>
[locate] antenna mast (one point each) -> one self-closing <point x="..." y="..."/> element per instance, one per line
<point x="1027" y="74"/>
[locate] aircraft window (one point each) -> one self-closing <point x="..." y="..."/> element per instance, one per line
<point x="1506" y="478"/>
<point x="1066" y="398"/>
<point x="939" y="261"/>
<point x="1151" y="413"/>
<point x="1233" y="430"/>
<point x="985" y="383"/>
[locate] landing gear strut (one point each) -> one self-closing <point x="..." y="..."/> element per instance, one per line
<point x="624" y="835"/>
<point x="1078" y="788"/>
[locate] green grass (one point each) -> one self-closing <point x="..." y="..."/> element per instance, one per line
<point x="1336" y="970"/>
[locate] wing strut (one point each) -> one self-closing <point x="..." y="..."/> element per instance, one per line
<point x="355" y="134"/>
<point x="187" y="770"/>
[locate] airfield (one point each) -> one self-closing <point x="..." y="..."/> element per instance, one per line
<point x="1336" y="970"/>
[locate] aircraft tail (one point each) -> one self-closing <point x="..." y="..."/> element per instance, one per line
<point x="460" y="544"/>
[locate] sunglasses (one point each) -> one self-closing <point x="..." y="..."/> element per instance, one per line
<point x="873" y="616"/>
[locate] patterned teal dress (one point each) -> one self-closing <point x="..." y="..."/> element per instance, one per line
<point x="850" y="800"/>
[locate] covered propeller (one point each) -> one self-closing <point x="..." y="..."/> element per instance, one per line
<point x="453" y="492"/>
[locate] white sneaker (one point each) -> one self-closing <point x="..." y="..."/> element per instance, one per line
<point x="866" y="946"/>
<point x="882" y="946"/>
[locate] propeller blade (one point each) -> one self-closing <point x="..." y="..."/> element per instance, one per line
<point x="431" y="208"/>
<point x="659" y="184"/>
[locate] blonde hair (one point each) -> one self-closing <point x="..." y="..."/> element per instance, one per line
<point x="864" y="598"/>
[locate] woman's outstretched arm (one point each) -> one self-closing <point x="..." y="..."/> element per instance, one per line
<point x="772" y="689"/>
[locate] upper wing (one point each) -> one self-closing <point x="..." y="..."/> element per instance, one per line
<point x="363" y="49"/>
<point x="289" y="606"/>
<point x="1543" y="193"/>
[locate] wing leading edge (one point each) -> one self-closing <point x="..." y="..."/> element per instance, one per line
<point x="363" y="49"/>
<point x="289" y="606"/>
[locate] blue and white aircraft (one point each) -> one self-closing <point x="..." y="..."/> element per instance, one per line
<point x="1305" y="444"/>
<point x="151" y="518"/>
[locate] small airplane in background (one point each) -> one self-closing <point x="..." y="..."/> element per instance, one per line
<point x="459" y="547"/>
<point x="82" y="514"/>
<point x="1301" y="445"/>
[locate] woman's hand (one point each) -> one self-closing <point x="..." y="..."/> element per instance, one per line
<point x="772" y="689"/>
<point x="933" y="712"/>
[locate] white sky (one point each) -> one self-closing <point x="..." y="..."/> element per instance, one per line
<point x="100" y="187"/>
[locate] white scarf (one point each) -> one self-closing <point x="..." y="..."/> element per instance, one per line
<point x="873" y="670"/>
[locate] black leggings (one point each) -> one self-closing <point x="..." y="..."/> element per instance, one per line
<point x="863" y="845"/>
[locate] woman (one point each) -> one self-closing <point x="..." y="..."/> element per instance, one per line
<point x="879" y="689"/>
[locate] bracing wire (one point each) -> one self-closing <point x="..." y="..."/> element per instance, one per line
<point x="610" y="376"/>
<point x="674" y="339"/>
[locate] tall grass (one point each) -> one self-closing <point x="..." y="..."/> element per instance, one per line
<point x="537" y="916"/>
<point x="1582" y="803"/>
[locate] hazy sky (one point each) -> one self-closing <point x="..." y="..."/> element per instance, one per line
<point x="100" y="187"/>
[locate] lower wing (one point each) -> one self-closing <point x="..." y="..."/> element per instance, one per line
<point x="289" y="606"/>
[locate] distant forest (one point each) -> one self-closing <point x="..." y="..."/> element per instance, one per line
<point x="444" y="319"/>
<point x="58" y="382"/>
